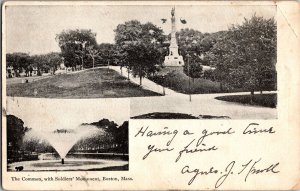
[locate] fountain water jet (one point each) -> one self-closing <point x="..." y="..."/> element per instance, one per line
<point x="62" y="140"/>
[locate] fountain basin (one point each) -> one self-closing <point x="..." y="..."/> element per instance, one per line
<point x="69" y="165"/>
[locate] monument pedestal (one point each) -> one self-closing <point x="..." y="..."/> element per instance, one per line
<point x="173" y="61"/>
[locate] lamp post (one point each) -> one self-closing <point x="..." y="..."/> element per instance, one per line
<point x="108" y="66"/>
<point x="128" y="70"/>
<point x="188" y="65"/>
<point x="163" y="78"/>
<point x="83" y="46"/>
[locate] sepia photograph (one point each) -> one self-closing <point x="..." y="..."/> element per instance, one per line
<point x="173" y="62"/>
<point x="71" y="137"/>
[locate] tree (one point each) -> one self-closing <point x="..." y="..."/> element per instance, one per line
<point x="193" y="70"/>
<point x="73" y="45"/>
<point x="18" y="61"/>
<point x="142" y="59"/>
<point x="45" y="62"/>
<point x="39" y="61"/>
<point x="210" y="39"/>
<point x="139" y="47"/>
<point x="107" y="53"/>
<point x="208" y="74"/>
<point x="121" y="137"/>
<point x="15" y="133"/>
<point x="114" y="138"/>
<point x="217" y="56"/>
<point x="246" y="56"/>
<point x="54" y="60"/>
<point x="189" y="42"/>
<point x="93" y="53"/>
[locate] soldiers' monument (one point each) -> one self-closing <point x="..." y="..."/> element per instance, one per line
<point x="173" y="59"/>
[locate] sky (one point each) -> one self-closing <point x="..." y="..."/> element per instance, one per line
<point x="32" y="28"/>
<point x="66" y="113"/>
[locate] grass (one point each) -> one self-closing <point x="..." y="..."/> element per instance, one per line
<point x="176" y="80"/>
<point x="101" y="83"/>
<point x="166" y="115"/>
<point x="266" y="100"/>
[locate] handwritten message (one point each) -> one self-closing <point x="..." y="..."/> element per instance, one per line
<point x="205" y="141"/>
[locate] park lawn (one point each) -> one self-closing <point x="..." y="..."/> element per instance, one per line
<point x="176" y="80"/>
<point x="265" y="100"/>
<point x="101" y="83"/>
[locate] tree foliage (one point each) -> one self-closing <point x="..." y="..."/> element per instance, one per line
<point x="193" y="70"/>
<point x="246" y="56"/>
<point x="107" y="53"/>
<point x="46" y="62"/>
<point x="189" y="41"/>
<point x="15" y="133"/>
<point x="112" y="134"/>
<point x="140" y="47"/>
<point x="73" y="45"/>
<point x="23" y="62"/>
<point x="19" y="62"/>
<point x="93" y="53"/>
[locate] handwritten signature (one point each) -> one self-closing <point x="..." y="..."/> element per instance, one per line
<point x="252" y="167"/>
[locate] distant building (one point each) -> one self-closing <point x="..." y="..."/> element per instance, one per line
<point x="206" y="68"/>
<point x="34" y="71"/>
<point x="62" y="66"/>
<point x="10" y="73"/>
<point x="61" y="69"/>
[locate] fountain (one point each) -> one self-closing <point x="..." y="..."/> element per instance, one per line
<point x="42" y="142"/>
<point x="62" y="140"/>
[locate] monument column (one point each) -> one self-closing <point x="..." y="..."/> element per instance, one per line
<point x="173" y="59"/>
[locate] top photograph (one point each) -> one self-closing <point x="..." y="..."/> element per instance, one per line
<point x="166" y="58"/>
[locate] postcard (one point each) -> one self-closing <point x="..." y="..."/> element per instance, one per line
<point x="150" y="95"/>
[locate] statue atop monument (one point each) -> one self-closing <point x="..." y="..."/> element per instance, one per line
<point x="173" y="59"/>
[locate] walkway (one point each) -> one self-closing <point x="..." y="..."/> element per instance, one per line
<point x="201" y="104"/>
<point x="18" y="80"/>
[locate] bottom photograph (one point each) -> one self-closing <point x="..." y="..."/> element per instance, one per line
<point x="70" y="137"/>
